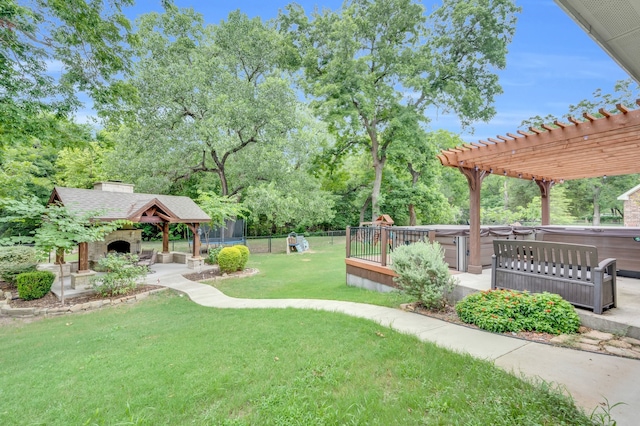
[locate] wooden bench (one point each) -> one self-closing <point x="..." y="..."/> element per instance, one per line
<point x="570" y="270"/>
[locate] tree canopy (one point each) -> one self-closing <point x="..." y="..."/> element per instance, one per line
<point x="374" y="67"/>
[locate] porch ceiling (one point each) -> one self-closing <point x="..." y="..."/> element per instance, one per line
<point x="595" y="147"/>
<point x="615" y="26"/>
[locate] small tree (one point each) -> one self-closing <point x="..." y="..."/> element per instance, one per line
<point x="60" y="230"/>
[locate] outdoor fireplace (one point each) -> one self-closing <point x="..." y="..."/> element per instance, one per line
<point x="120" y="241"/>
<point x="119" y="246"/>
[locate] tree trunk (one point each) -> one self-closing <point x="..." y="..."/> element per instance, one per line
<point x="596" y="212"/>
<point x="363" y="209"/>
<point x="378" y="166"/>
<point x="596" y="207"/>
<point x="415" y="175"/>
<point x="413" y="221"/>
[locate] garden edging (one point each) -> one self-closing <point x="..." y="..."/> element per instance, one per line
<point x="8" y="311"/>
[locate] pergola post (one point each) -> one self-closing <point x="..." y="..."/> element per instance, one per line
<point x="165" y="237"/>
<point x="545" y="196"/>
<point x="474" y="179"/>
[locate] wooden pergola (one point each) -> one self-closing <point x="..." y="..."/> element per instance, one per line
<point x="593" y="147"/>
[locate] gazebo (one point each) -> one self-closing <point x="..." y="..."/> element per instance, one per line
<point x="116" y="201"/>
<point x="594" y="147"/>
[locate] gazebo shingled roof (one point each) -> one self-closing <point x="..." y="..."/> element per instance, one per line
<point x="129" y="206"/>
<point x="595" y="147"/>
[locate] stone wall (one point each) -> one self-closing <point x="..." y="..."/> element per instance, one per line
<point x="99" y="248"/>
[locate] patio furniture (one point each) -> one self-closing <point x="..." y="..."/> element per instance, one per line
<point x="146" y="258"/>
<point x="569" y="270"/>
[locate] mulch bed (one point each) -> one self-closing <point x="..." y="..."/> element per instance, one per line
<point x="449" y="314"/>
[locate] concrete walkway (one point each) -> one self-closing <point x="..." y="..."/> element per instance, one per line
<point x="587" y="376"/>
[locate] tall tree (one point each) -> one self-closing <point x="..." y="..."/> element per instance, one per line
<point x="86" y="39"/>
<point x="206" y="95"/>
<point x="376" y="64"/>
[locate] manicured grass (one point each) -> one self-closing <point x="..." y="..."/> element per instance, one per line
<point x="166" y="360"/>
<point x="319" y="274"/>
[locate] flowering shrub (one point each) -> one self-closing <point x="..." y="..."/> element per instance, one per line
<point x="509" y="310"/>
<point x="423" y="273"/>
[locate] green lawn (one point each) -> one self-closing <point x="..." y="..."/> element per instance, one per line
<point x="318" y="274"/>
<point x="166" y="360"/>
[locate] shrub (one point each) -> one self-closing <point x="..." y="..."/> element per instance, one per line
<point x="34" y="285"/>
<point x="16" y="260"/>
<point x="423" y="273"/>
<point x="122" y="275"/>
<point x="244" y="256"/>
<point x="212" y="257"/>
<point x="229" y="259"/>
<point x="508" y="310"/>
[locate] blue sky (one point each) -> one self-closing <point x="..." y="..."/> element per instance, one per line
<point x="552" y="63"/>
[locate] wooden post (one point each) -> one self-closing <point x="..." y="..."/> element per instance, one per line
<point x="196" y="240"/>
<point x="384" y="238"/>
<point x="474" y="179"/>
<point x="545" y="197"/>
<point x="83" y="257"/>
<point x="348" y="235"/>
<point x="165" y="237"/>
<point x="432" y="236"/>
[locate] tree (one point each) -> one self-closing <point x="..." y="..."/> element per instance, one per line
<point x="378" y="64"/>
<point x="58" y="229"/>
<point x="88" y="40"/>
<point x="230" y="100"/>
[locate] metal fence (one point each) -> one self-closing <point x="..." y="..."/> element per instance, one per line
<point x="278" y="243"/>
<point x="375" y="244"/>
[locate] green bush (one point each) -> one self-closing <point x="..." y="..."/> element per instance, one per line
<point x="507" y="310"/>
<point x="423" y="273"/>
<point x="229" y="259"/>
<point x="212" y="256"/>
<point x="122" y="275"/>
<point x="34" y="285"/>
<point x="16" y="260"/>
<point x="244" y="256"/>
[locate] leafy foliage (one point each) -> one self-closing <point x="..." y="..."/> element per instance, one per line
<point x="122" y="275"/>
<point x="34" y="285"/>
<point x="423" y="273"/>
<point x="212" y="256"/>
<point x="229" y="259"/>
<point x="361" y="62"/>
<point x="86" y="39"/>
<point x="507" y="310"/>
<point x="15" y="260"/>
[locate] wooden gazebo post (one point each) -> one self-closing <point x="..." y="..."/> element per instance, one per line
<point x="165" y="237"/>
<point x="83" y="258"/>
<point x="474" y="179"/>
<point x="545" y="190"/>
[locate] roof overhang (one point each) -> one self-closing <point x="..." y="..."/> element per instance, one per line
<point x="595" y="147"/>
<point x="615" y="26"/>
